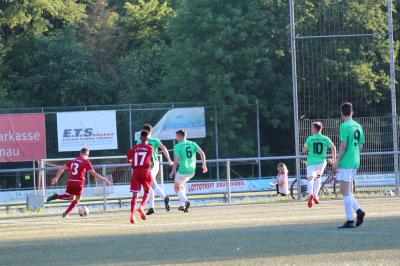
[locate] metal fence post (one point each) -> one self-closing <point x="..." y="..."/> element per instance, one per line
<point x="130" y="126"/>
<point x="393" y="98"/>
<point x="104" y="173"/>
<point x="295" y="97"/>
<point x="228" y="180"/>
<point x="258" y="140"/>
<point x="216" y="140"/>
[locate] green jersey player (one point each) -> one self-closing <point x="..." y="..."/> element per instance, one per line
<point x="316" y="147"/>
<point x="156" y="189"/>
<point x="348" y="161"/>
<point x="185" y="155"/>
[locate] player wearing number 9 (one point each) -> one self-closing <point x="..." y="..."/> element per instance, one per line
<point x="185" y="155"/>
<point x="77" y="177"/>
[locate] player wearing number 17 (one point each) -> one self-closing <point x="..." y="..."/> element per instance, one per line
<point x="316" y="147"/>
<point x="141" y="157"/>
<point x="185" y="155"/>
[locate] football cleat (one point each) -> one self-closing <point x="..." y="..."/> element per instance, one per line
<point x="310" y="201"/>
<point x="142" y="214"/>
<point x="150" y="211"/>
<point x="187" y="205"/>
<point x="316" y="199"/>
<point x="347" y="224"/>
<point x="53" y="197"/>
<point x="65" y="215"/>
<point x="360" y="217"/>
<point x="167" y="206"/>
<point x="181" y="208"/>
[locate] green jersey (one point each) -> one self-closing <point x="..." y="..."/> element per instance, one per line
<point x="155" y="143"/>
<point x="186" y="151"/>
<point x="317" y="145"/>
<point x="352" y="133"/>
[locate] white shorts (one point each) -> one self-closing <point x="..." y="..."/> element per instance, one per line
<point x="347" y="175"/>
<point x="316" y="170"/>
<point x="154" y="172"/>
<point x="183" y="179"/>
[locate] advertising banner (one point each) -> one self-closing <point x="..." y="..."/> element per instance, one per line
<point x="22" y="137"/>
<point x="96" y="130"/>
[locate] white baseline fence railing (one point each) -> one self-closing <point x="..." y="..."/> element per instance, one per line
<point x="382" y="178"/>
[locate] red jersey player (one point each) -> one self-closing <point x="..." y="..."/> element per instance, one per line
<point x="141" y="157"/>
<point x="77" y="177"/>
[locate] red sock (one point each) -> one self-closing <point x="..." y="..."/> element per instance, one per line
<point x="63" y="196"/>
<point x="133" y="205"/>
<point x="145" y="198"/>
<point x="71" y="206"/>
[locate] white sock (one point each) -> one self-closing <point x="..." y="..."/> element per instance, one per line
<point x="182" y="196"/>
<point x="348" y="207"/>
<point x="356" y="206"/>
<point x="159" y="192"/>
<point x="317" y="185"/>
<point x="151" y="199"/>
<point x="310" y="187"/>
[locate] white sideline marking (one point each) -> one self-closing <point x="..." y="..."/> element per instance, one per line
<point x="72" y="222"/>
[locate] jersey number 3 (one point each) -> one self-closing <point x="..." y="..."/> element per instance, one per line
<point x="142" y="157"/>
<point x="74" y="168"/>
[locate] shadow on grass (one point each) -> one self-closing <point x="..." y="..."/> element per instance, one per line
<point x="202" y="245"/>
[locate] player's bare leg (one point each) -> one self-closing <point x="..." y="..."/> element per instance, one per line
<point x="317" y="185"/>
<point x="133" y="206"/>
<point x="74" y="203"/>
<point x="310" y="189"/>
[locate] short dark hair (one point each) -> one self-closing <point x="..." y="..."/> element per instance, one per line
<point x="317" y="126"/>
<point x="144" y="134"/>
<point x="346" y="108"/>
<point x="84" y="151"/>
<point x="181" y="132"/>
<point x="147" y="127"/>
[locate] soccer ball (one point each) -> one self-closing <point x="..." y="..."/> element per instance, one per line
<point x="83" y="211"/>
<point x="388" y="193"/>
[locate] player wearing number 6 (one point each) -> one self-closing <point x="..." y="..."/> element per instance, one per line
<point x="316" y="147"/>
<point x="348" y="161"/>
<point x="185" y="155"/>
<point x="141" y="157"/>
<point x="77" y="177"/>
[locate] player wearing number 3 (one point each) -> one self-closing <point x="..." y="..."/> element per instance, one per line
<point x="141" y="157"/>
<point x="77" y="177"/>
<point x="185" y="155"/>
<point x="316" y="147"/>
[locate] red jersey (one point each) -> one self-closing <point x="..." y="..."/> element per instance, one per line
<point x="77" y="169"/>
<point x="140" y="156"/>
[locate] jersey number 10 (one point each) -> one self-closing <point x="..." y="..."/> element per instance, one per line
<point x="318" y="147"/>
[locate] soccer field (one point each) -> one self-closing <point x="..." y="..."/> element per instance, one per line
<point x="257" y="234"/>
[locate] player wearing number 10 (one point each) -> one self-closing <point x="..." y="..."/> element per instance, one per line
<point x="185" y="155"/>
<point x="77" y="177"/>
<point x="316" y="147"/>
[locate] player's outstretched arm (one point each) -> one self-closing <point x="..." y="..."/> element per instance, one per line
<point x="166" y="154"/>
<point x="100" y="177"/>
<point x="203" y="159"/>
<point x="59" y="173"/>
<point x="174" y="166"/>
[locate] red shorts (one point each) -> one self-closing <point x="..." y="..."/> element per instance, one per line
<point x="141" y="177"/>
<point x="75" y="188"/>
